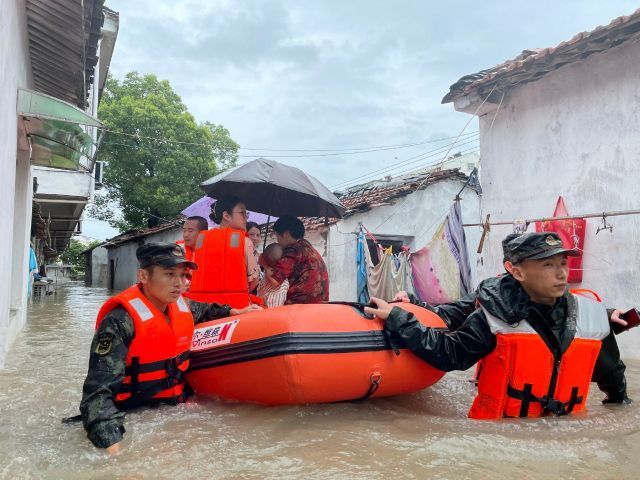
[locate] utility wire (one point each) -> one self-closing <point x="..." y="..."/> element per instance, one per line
<point x="406" y="198"/>
<point x="252" y="156"/>
<point x="325" y="152"/>
<point x="403" y="163"/>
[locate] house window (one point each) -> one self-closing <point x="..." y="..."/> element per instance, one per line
<point x="396" y="242"/>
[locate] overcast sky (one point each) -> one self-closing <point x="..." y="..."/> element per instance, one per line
<point x="331" y="75"/>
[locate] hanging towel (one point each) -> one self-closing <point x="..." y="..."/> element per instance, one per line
<point x="436" y="275"/>
<point x="361" y="263"/>
<point x="454" y="233"/>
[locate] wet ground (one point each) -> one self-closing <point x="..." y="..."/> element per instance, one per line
<point x="426" y="435"/>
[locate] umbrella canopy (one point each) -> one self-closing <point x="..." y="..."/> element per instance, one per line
<point x="267" y="186"/>
<point x="202" y="208"/>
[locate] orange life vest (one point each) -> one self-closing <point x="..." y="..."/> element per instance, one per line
<point x="521" y="377"/>
<point x="221" y="276"/>
<point x="159" y="352"/>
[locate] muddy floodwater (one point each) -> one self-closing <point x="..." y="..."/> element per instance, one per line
<point x="425" y="435"/>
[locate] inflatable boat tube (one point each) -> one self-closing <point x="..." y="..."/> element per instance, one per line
<point x="299" y="354"/>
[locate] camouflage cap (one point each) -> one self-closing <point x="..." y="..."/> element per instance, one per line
<point x="534" y="246"/>
<point x="164" y="254"/>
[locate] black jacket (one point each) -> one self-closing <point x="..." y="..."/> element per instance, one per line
<point x="469" y="337"/>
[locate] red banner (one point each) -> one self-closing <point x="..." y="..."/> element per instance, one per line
<point x="571" y="233"/>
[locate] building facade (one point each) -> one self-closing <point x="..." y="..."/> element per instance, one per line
<point x="122" y="265"/>
<point x="563" y="122"/>
<point x="400" y="211"/>
<point x="51" y="56"/>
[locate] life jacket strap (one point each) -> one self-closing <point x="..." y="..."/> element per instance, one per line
<point x="149" y="388"/>
<point x="144" y="391"/>
<point x="169" y="365"/>
<point x="552" y="405"/>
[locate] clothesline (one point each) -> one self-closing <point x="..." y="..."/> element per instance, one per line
<point x="549" y="219"/>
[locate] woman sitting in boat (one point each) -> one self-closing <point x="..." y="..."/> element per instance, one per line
<point x="301" y="264"/>
<point x="227" y="269"/>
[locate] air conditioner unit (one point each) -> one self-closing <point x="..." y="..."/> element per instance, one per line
<point x="97" y="174"/>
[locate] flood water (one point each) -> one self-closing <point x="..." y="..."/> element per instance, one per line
<point x="425" y="435"/>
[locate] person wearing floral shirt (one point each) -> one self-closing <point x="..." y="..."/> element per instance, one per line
<point x="301" y="264"/>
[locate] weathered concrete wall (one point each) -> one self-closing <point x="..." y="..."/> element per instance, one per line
<point x="124" y="257"/>
<point x="14" y="172"/>
<point x="417" y="215"/>
<point x="573" y="133"/>
<point x="99" y="267"/>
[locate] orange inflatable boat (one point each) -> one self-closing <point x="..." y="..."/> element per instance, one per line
<point x="300" y="354"/>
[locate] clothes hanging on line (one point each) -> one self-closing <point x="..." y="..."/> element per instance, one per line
<point x="361" y="263"/>
<point x="385" y="280"/>
<point x="436" y="274"/>
<point x="454" y="234"/>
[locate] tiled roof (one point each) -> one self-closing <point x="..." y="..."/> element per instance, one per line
<point x="534" y="64"/>
<point x="383" y="192"/>
<point x="138" y="234"/>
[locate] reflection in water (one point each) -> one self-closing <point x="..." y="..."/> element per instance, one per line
<point x="426" y="435"/>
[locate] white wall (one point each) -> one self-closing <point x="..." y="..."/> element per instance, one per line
<point x="124" y="257"/>
<point x="63" y="183"/>
<point x="99" y="267"/>
<point x="573" y="133"/>
<point x="14" y="73"/>
<point x="418" y="215"/>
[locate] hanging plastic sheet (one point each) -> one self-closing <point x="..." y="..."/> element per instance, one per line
<point x="571" y="232"/>
<point x="436" y="274"/>
<point x="361" y="263"/>
<point x="454" y="233"/>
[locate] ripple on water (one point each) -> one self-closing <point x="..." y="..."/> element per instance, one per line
<point x="426" y="435"/>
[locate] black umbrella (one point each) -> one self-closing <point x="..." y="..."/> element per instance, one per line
<point x="267" y="186"/>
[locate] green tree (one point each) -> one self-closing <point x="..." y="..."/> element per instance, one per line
<point x="73" y="254"/>
<point x="153" y="168"/>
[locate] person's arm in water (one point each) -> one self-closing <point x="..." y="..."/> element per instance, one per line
<point x="445" y="350"/>
<point x="453" y="314"/>
<point x="102" y="420"/>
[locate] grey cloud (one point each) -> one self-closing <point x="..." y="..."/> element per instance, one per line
<point x="336" y="74"/>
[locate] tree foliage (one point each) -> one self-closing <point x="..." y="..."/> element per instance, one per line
<point x="73" y="254"/>
<point x="154" y="171"/>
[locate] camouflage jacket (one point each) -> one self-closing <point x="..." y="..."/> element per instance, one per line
<point x="102" y="420"/>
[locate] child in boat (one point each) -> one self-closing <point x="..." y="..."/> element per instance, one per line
<point x="273" y="295"/>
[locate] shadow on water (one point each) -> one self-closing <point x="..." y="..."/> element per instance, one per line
<point x="426" y="435"/>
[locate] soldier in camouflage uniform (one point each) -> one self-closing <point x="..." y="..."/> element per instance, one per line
<point x="101" y="417"/>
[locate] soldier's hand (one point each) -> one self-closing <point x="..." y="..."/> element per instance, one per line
<point x="382" y="310"/>
<point x="401" y="296"/>
<point x="113" y="449"/>
<point x="239" y="311"/>
<point x="615" y="318"/>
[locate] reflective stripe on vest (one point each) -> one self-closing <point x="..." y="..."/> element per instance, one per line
<point x="522" y="378"/>
<point x="158" y="354"/>
<point x="222" y="270"/>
